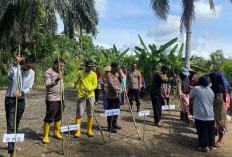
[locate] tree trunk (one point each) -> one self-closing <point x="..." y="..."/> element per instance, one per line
<point x="188" y="43"/>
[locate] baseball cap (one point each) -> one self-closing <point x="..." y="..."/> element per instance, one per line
<point x="89" y="63"/>
<point x="185" y="71"/>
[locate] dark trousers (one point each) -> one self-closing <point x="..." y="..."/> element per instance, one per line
<point x="97" y="93"/>
<point x="205" y="132"/>
<point x="157" y="109"/>
<point x="10" y="117"/>
<point x="53" y="111"/>
<point x="134" y="93"/>
<point x="112" y="104"/>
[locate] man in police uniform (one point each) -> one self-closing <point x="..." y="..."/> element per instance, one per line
<point x="113" y="80"/>
<point x="134" y="85"/>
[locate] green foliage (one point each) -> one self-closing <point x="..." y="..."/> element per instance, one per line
<point x="227" y="70"/>
<point x="152" y="58"/>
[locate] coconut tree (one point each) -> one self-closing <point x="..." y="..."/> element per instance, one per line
<point x="162" y="9"/>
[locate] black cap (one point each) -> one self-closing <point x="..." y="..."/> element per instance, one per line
<point x="115" y="65"/>
<point x="89" y="63"/>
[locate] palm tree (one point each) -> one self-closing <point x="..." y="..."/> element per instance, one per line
<point x="21" y="18"/>
<point x="162" y="9"/>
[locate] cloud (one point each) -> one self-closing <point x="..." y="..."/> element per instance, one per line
<point x="101" y="5"/>
<point x="166" y="30"/>
<point x="211" y="35"/>
<point x="203" y="12"/>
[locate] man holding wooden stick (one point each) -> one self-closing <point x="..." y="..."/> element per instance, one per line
<point x="158" y="80"/>
<point x="53" y="80"/>
<point x="26" y="80"/>
<point x="114" y="91"/>
<point x="87" y="83"/>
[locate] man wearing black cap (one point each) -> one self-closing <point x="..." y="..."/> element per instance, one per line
<point x="158" y="80"/>
<point x="114" y="91"/>
<point x="87" y="83"/>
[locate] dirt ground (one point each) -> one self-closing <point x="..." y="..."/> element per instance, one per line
<point x="158" y="142"/>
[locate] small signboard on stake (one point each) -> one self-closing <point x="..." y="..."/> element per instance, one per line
<point x="166" y="107"/>
<point x="63" y="128"/>
<point x="11" y="138"/>
<point x="144" y="113"/>
<point x="112" y="112"/>
<point x="69" y="128"/>
<point x="74" y="127"/>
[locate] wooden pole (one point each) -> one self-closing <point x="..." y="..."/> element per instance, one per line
<point x="16" y="105"/>
<point x="144" y="127"/>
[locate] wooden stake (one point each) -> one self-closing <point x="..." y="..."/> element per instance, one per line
<point x="16" y="105"/>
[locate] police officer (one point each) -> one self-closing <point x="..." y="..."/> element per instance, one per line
<point x="134" y="85"/>
<point x="113" y="80"/>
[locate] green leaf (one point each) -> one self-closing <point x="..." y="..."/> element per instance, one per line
<point x="142" y="43"/>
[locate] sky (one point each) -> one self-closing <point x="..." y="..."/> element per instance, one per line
<point x="120" y="22"/>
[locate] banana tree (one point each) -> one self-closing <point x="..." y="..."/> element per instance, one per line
<point x="151" y="58"/>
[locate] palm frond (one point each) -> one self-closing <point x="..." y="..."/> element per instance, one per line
<point x="188" y="13"/>
<point x="161" y="8"/>
<point x="212" y="6"/>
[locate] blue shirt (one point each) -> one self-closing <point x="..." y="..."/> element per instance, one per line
<point x="26" y="81"/>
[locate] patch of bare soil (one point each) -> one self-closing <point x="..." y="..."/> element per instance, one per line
<point x="181" y="142"/>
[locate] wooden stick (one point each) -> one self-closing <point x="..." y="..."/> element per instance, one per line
<point x="61" y="103"/>
<point x="144" y="127"/>
<point x="132" y="113"/>
<point x="16" y="105"/>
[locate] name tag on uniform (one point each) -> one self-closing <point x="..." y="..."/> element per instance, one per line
<point x="112" y="112"/>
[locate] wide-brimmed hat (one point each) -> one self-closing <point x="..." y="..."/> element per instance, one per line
<point x="115" y="65"/>
<point x="185" y="72"/>
<point x="89" y="63"/>
<point x="107" y="68"/>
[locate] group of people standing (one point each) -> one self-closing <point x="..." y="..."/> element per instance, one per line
<point x="206" y="95"/>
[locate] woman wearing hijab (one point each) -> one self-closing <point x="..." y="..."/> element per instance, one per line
<point x="183" y="86"/>
<point x="219" y="106"/>
<point x="203" y="113"/>
<point x="227" y="89"/>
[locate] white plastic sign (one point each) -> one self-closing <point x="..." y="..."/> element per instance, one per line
<point x="74" y="127"/>
<point x="70" y="127"/>
<point x="144" y="113"/>
<point x="112" y="112"/>
<point x="166" y="107"/>
<point x="11" y="138"/>
<point x="63" y="128"/>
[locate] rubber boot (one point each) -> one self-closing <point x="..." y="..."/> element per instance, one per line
<point x="89" y="126"/>
<point x="57" y="130"/>
<point x="182" y="115"/>
<point x="78" y="133"/>
<point x="116" y="126"/>
<point x="46" y="130"/>
<point x="187" y="120"/>
<point x="111" y="129"/>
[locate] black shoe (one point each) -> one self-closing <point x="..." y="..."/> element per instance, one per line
<point x="187" y="120"/>
<point x="112" y="130"/>
<point x="182" y="115"/>
<point x="116" y="126"/>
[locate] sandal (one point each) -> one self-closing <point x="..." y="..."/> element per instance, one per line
<point x="218" y="144"/>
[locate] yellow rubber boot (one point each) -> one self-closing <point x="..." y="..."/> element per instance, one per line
<point x="78" y="133"/>
<point x="46" y="130"/>
<point x="89" y="126"/>
<point x="57" y="130"/>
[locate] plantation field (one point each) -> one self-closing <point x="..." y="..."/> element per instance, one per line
<point x="158" y="142"/>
